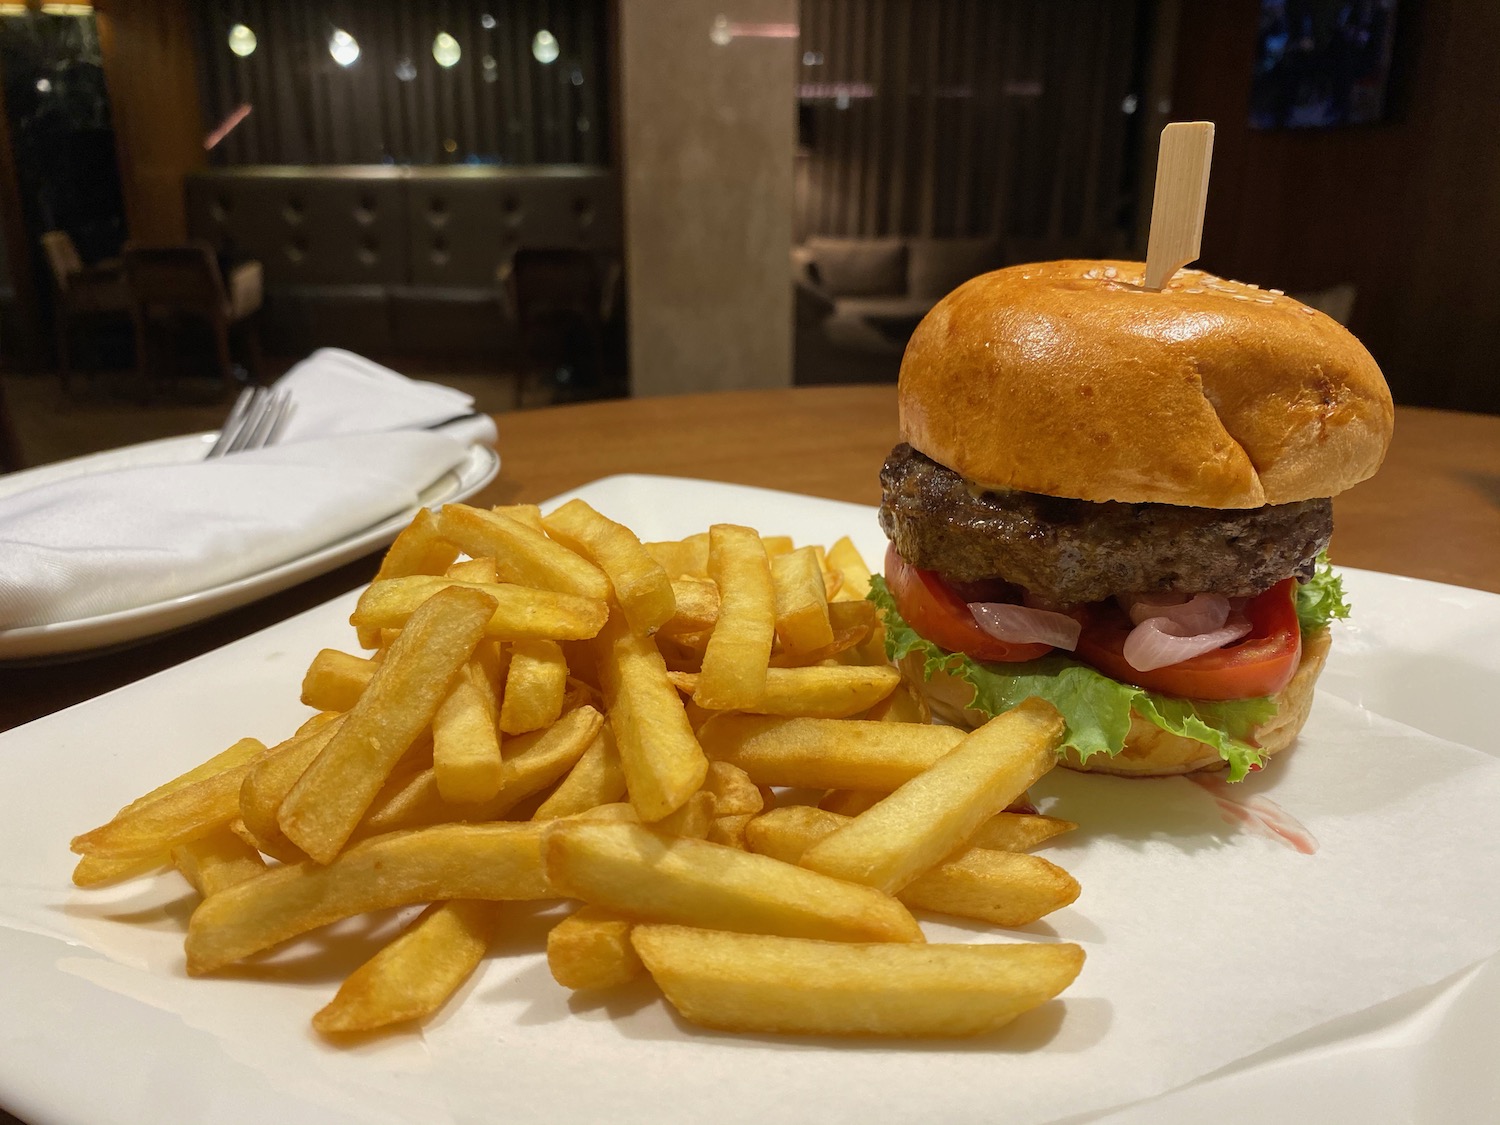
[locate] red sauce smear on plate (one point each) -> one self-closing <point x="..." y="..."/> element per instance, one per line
<point x="1260" y="815"/>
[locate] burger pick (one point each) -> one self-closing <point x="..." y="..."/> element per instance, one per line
<point x="1119" y="500"/>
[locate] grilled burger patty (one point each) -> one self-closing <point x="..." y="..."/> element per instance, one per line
<point x="1068" y="551"/>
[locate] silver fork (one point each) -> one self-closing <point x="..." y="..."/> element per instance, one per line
<point x="256" y="420"/>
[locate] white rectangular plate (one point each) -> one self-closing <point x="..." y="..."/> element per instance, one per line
<point x="99" y="1022"/>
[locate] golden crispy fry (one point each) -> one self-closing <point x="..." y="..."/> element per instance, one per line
<point x="270" y="780"/>
<point x="591" y="949"/>
<point x="419" y="549"/>
<point x="733" y="791"/>
<point x="154" y="826"/>
<point x="220" y="859"/>
<point x="465" y="743"/>
<point x="802" y="622"/>
<point x="1003" y="887"/>
<point x="826" y="753"/>
<point x="935" y="813"/>
<point x="446" y="861"/>
<point x="850" y="802"/>
<point x="326" y="804"/>
<point x="97" y="870"/>
<point x="776" y="544"/>
<point x="1018" y="832"/>
<point x="820" y="692"/>
<point x="641" y="585"/>
<point x="532" y="762"/>
<point x="730" y="830"/>
<point x="695" y="606"/>
<point x="734" y="664"/>
<point x="681" y="557"/>
<point x="645" y="875"/>
<point x="529" y="514"/>
<point x="597" y="779"/>
<point x="738" y="982"/>
<point x="521" y="554"/>
<point x="335" y="680"/>
<point x="663" y="762"/>
<point x="904" y="705"/>
<point x="844" y="557"/>
<point x="414" y="975"/>
<point x="852" y="623"/>
<point x="692" y="820"/>
<point x="520" y="613"/>
<point x="473" y="570"/>
<point x="534" y="687"/>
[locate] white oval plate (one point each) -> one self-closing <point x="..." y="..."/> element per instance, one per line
<point x="84" y="635"/>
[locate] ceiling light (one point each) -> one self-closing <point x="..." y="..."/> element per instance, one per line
<point x="242" y="41"/>
<point x="445" y="49"/>
<point x="343" y="48"/>
<point x="544" y="47"/>
<point x="487" y="22"/>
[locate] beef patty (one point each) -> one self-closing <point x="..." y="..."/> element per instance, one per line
<point x="1067" y="551"/>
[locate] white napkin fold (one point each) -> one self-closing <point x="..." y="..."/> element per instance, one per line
<point x="362" y="445"/>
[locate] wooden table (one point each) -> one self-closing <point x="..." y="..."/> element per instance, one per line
<point x="1433" y="511"/>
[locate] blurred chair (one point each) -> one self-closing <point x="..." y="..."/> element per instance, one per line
<point x="562" y="300"/>
<point x="81" y="293"/>
<point x="177" y="284"/>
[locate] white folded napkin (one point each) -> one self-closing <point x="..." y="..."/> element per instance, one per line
<point x="362" y="445"/>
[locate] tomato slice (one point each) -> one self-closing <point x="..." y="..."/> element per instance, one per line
<point x="931" y="607"/>
<point x="1261" y="663"/>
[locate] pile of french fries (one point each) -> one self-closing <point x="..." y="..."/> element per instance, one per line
<point x="700" y="742"/>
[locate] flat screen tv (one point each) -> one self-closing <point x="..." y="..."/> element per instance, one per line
<point x="1321" y="64"/>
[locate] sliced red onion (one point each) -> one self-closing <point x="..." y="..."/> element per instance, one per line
<point x="1021" y="624"/>
<point x="1156" y="643"/>
<point x="1201" y="613"/>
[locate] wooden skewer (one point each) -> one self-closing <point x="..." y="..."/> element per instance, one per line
<point x="1187" y="149"/>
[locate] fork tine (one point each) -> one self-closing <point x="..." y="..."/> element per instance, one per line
<point x="231" y="427"/>
<point x="256" y="411"/>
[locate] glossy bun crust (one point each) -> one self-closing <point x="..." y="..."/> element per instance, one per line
<point x="1149" y="751"/>
<point x="1070" y="379"/>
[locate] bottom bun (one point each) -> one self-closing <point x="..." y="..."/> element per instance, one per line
<point x="1149" y="751"/>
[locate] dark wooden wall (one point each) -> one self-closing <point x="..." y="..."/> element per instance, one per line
<point x="151" y="70"/>
<point x="1409" y="210"/>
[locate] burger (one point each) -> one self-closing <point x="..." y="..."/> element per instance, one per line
<point x="1119" y="500"/>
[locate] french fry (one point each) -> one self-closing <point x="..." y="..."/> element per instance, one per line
<point x="644" y="875"/>
<point x="465" y="743"/>
<point x="419" y="549"/>
<point x="752" y="983"/>
<point x="663" y="763"/>
<point x="682" y="556"/>
<point x="220" y="859"/>
<point x="776" y="544"/>
<point x="97" y="870"/>
<point x="844" y="556"/>
<point x="326" y="804"/>
<point x="820" y="692"/>
<point x="825" y="753"/>
<point x="155" y="826"/>
<point x="591" y="949"/>
<point x="522" y="555"/>
<point x="415" y="974"/>
<point x="733" y="791"/>
<point x="692" y="820"/>
<point x="520" y="613"/>
<point x="529" y="514"/>
<point x="335" y="680"/>
<point x="447" y="861"/>
<point x="534" y="687"/>
<point x="1005" y="888"/>
<point x="738" y="652"/>
<point x="1018" y="832"/>
<point x="473" y="570"/>
<point x="935" y="813"/>
<point x="596" y="779"/>
<point x="695" y="604"/>
<point x="850" y="802"/>
<point x="802" y="622"/>
<point x="269" y="781"/>
<point x="532" y="762"/>
<point x="641" y="585"/>
<point x="730" y="830"/>
<point x="904" y="705"/>
<point x="853" y="623"/>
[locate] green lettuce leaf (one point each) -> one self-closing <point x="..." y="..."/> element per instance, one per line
<point x="1095" y="708"/>
<point x="1321" y="598"/>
